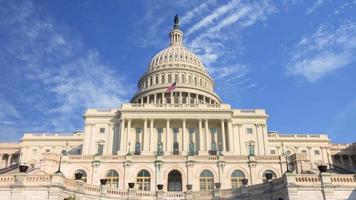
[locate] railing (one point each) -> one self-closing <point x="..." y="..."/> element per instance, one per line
<point x="174" y="195"/>
<point x="307" y="178"/>
<point x="203" y="195"/>
<point x="7" y="179"/>
<point x="343" y="179"/>
<point x="37" y="180"/>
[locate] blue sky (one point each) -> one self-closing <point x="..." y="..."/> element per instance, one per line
<point x="294" y="58"/>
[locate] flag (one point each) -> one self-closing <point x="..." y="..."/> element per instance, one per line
<point x="171" y="88"/>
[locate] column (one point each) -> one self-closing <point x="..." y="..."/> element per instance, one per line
<point x="150" y="136"/>
<point x="155" y="98"/>
<point x="180" y="97"/>
<point x="163" y="98"/>
<point x="207" y="138"/>
<point x="188" y="101"/>
<point x="257" y="146"/>
<point x="168" y="138"/>
<point x="185" y="137"/>
<point x="350" y="160"/>
<point x="172" y="100"/>
<point x="128" y="139"/>
<point x="201" y="137"/>
<point x="239" y="142"/>
<point x="223" y="134"/>
<point x="231" y="138"/>
<point x="122" y="135"/>
<point x="145" y="141"/>
<point x="109" y="146"/>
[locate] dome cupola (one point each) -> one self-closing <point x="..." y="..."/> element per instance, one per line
<point x="176" y="65"/>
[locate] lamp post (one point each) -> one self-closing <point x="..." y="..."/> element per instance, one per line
<point x="63" y="153"/>
<point x="286" y="156"/>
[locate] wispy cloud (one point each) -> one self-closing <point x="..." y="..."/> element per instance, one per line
<point x="208" y="20"/>
<point x="328" y="49"/>
<point x="317" y="4"/>
<point x="197" y="11"/>
<point x="70" y="77"/>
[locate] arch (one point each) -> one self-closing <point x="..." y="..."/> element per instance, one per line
<point x="143" y="180"/>
<point x="268" y="171"/>
<point x="84" y="174"/>
<point x="262" y="170"/>
<point x="206" y="180"/>
<point x="174" y="181"/>
<point x="112" y="177"/>
<point x="236" y="178"/>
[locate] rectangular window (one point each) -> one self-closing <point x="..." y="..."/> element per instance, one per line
<point x="138" y="141"/>
<point x="191" y="141"/>
<point x="34" y="150"/>
<point x="213" y="132"/>
<point x="304" y="151"/>
<point x="249" y="130"/>
<point x="175" y="134"/>
<point x="48" y="150"/>
<point x="100" y="149"/>
<point x="175" y="141"/>
<point x="159" y="141"/>
<point x="102" y="130"/>
<point x="273" y="151"/>
<point x="251" y="150"/>
<point x="317" y="152"/>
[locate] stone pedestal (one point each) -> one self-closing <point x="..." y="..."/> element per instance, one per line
<point x="217" y="194"/>
<point x="159" y="195"/>
<point x="189" y="195"/>
<point x="132" y="194"/>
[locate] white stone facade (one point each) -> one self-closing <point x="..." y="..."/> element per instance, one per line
<point x="176" y="139"/>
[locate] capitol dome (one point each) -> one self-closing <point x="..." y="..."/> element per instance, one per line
<point x="179" y="66"/>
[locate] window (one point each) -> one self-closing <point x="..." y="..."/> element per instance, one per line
<point x="317" y="152"/>
<point x="102" y="130"/>
<point x="249" y="130"/>
<point x="213" y="132"/>
<point x="268" y="172"/>
<point x="112" y="178"/>
<point x="206" y="180"/>
<point x="169" y="78"/>
<point x="100" y="149"/>
<point x="304" y="151"/>
<point x="183" y="78"/>
<point x="84" y="174"/>
<point x="138" y="143"/>
<point x="273" y="151"/>
<point x="175" y="141"/>
<point x="143" y="180"/>
<point x="156" y="79"/>
<point x="159" y="141"/>
<point x="236" y="178"/>
<point x="191" y="141"/>
<point x="34" y="150"/>
<point x="48" y="150"/>
<point x="163" y="80"/>
<point x="176" y="78"/>
<point x="251" y="149"/>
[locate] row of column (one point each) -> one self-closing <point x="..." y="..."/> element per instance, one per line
<point x="8" y="159"/>
<point x="162" y="98"/>
<point x="346" y="163"/>
<point x="202" y="139"/>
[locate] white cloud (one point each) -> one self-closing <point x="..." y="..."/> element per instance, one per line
<point x="71" y="78"/>
<point x="317" y="4"/>
<point x="196" y="11"/>
<point x="208" y="20"/>
<point x="326" y="50"/>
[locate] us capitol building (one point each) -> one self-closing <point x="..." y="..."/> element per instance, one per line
<point x="176" y="139"/>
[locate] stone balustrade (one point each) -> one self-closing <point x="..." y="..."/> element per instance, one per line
<point x="276" y="189"/>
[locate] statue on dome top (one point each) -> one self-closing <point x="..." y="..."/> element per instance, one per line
<point x="176" y="22"/>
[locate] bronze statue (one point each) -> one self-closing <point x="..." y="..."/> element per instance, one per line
<point x="176" y="22"/>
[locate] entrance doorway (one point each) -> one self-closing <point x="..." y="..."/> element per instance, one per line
<point x="174" y="181"/>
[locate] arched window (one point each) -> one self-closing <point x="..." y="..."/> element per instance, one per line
<point x="206" y="180"/>
<point x="268" y="172"/>
<point x="183" y="78"/>
<point x="143" y="180"/>
<point x="156" y="80"/>
<point x="84" y="174"/>
<point x="176" y="79"/>
<point x="236" y="178"/>
<point x="112" y="179"/>
<point x="169" y="78"/>
<point x="190" y="79"/>
<point x="195" y="81"/>
<point x="163" y="80"/>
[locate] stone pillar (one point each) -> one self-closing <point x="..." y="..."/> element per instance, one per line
<point x="145" y="140"/>
<point x="207" y="138"/>
<point x="172" y="100"/>
<point x="168" y="137"/>
<point x="109" y="146"/>
<point x="188" y="102"/>
<point x="185" y="137"/>
<point x="155" y="98"/>
<point x="163" y="98"/>
<point x="122" y="135"/>
<point x="180" y="97"/>
<point x="239" y="127"/>
<point x="231" y="139"/>
<point x="150" y="136"/>
<point x="128" y="138"/>
<point x="223" y="147"/>
<point x="201" y="137"/>
<point x="350" y="160"/>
